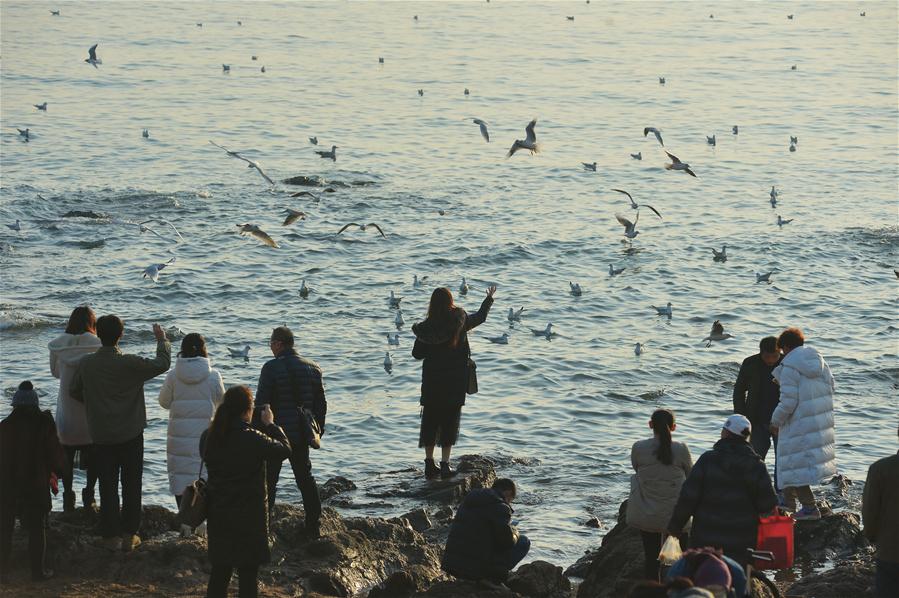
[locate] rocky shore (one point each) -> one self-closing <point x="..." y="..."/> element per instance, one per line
<point x="400" y="557"/>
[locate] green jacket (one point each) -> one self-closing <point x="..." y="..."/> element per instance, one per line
<point x="880" y="508"/>
<point x="111" y="386"/>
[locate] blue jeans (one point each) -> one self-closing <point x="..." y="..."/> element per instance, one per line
<point x="886" y="579"/>
<point x="510" y="558"/>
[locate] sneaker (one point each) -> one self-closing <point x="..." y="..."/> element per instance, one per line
<point x="130" y="542"/>
<point x="431" y="469"/>
<point x="807" y="514"/>
<point x="186" y="530"/>
<point x="783" y="504"/>
<point x="114" y="543"/>
<point x="445" y="471"/>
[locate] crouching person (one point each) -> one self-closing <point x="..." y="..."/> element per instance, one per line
<point x="483" y="544"/>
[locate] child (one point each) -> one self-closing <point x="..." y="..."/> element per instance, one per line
<point x="30" y="457"/>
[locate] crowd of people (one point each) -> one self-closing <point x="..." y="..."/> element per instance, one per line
<point x="783" y="395"/>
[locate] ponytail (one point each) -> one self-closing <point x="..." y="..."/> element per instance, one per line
<point x="662" y="421"/>
<point x="237" y="401"/>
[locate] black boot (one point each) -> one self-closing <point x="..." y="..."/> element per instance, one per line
<point x="87" y="500"/>
<point x="445" y="471"/>
<point x="431" y="469"/>
<point x="68" y="501"/>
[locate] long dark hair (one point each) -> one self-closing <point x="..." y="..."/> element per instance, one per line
<point x="662" y="421"/>
<point x="83" y="319"/>
<point x="193" y="345"/>
<point x="237" y="401"/>
<point x="441" y="310"/>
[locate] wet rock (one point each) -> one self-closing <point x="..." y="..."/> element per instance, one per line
<point x="582" y="565"/>
<point x="469" y="589"/>
<point x="540" y="580"/>
<point x="335" y="486"/>
<point x="855" y="578"/>
<point x="473" y="471"/>
<point x="305" y="181"/>
<point x="593" y="522"/>
<point x="616" y="566"/>
<point x="418" y="519"/>
<point x="834" y="535"/>
<point x="399" y="585"/>
<point x="85" y="214"/>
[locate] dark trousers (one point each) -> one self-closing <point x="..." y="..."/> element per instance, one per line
<point x="652" y="546"/>
<point x="220" y="578"/>
<point x="761" y="440"/>
<point x="123" y="461"/>
<point x="302" y="471"/>
<point x="510" y="558"/>
<point x="91" y="472"/>
<point x="34" y="520"/>
<point x="886" y="579"/>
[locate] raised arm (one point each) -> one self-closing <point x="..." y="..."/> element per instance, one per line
<point x="478" y="318"/>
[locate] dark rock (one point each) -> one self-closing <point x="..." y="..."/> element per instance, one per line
<point x="540" y="580"/>
<point x="306" y="181"/>
<point x="854" y="578"/>
<point x="418" y="520"/>
<point x="335" y="486"/>
<point x="85" y="214"/>
<point x="399" y="584"/>
<point x="617" y="565"/>
<point x="468" y="589"/>
<point x="837" y="534"/>
<point x="593" y="522"/>
<point x="582" y="565"/>
<point x="473" y="471"/>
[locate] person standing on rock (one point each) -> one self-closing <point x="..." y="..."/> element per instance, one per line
<point x="236" y="457"/>
<point x="662" y="465"/>
<point x="756" y="395"/>
<point x="66" y="351"/>
<point x="880" y="513"/>
<point x="803" y="423"/>
<point x="191" y="392"/>
<point x="727" y="490"/>
<point x="441" y="341"/>
<point x="292" y="386"/>
<point x="30" y="458"/>
<point x="483" y="544"/>
<point x="111" y="386"/>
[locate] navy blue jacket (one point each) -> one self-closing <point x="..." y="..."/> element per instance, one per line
<point x="481" y="530"/>
<point x="276" y="389"/>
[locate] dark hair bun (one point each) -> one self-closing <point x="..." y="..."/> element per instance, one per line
<point x="26" y="385"/>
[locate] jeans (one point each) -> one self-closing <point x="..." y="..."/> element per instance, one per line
<point x="508" y="559"/>
<point x="302" y="472"/>
<point x="652" y="546"/>
<point x="34" y="520"/>
<point x="220" y="579"/>
<point x="91" y="472"/>
<point x="761" y="439"/>
<point x="115" y="461"/>
<point x="886" y="579"/>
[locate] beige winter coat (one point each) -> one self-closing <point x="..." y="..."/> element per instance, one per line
<point x="656" y="486"/>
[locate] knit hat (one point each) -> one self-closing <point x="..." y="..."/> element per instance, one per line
<point x="25" y="396"/>
<point x="739" y="425"/>
<point x="712" y="572"/>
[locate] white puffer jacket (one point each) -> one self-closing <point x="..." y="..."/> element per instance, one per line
<point x="191" y="392"/>
<point x="65" y="353"/>
<point x="804" y="416"/>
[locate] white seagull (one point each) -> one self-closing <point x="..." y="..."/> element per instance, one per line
<point x="152" y="272"/>
<point x="635" y="205"/>
<point x="250" y="163"/>
<point x="720" y="256"/>
<point x="630" y="228"/>
<point x="313" y="140"/>
<point x="773" y="195"/>
<point x="393" y="300"/>
<point x="388" y="363"/>
<point x="529" y="142"/>
<point x="416" y="281"/>
<point x="575" y="289"/>
<point x="362" y="227"/>
<point x="92" y="57"/>
<point x="710" y="140"/>
<point x="515" y="316"/>
<point x="483" y="126"/>
<point x="637" y="156"/>
<point x="41" y="106"/>
<point x="589" y="166"/>
<point x="326" y="154"/>
<point x="717" y="334"/>
<point x="654" y="131"/>
<point x="245" y="352"/>
<point x="26" y="133"/>
<point x="304" y="290"/>
<point x="463" y="288"/>
<point x="676" y="164"/>
<point x="663" y="311"/>
<point x="253" y="229"/>
<point x="638" y="348"/>
<point x="393" y="339"/>
<point x="615" y="271"/>
<point x="293" y="216"/>
<point x="766" y="277"/>
<point x="499" y="340"/>
<point x="781" y="221"/>
<point x="398" y="319"/>
<point x="546" y="332"/>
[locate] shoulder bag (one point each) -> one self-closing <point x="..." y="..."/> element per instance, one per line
<point x="312" y="432"/>
<point x="194" y="500"/>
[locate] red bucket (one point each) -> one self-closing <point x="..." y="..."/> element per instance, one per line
<point x="776" y="535"/>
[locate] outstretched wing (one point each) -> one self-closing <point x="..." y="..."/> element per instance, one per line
<point x="674" y="158"/>
<point x="227" y="151"/>
<point x="513" y="149"/>
<point x="717" y="328"/>
<point x="346" y="226"/>
<point x="626" y="193"/>
<point x="646" y="205"/>
<point x="625" y="222"/>
<point x="484" y="133"/>
<point x="293" y="216"/>
<point x="259" y="169"/>
<point x="93" y="52"/>
<point x="690" y="172"/>
<point x="263" y="236"/>
<point x="529" y="130"/>
<point x="377" y="227"/>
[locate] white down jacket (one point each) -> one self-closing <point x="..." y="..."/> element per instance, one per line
<point x="191" y="392"/>
<point x="804" y="416"/>
<point x="65" y="353"/>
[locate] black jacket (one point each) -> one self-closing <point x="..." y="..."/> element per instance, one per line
<point x="286" y="394"/>
<point x="763" y="393"/>
<point x="481" y="530"/>
<point x="238" y="498"/>
<point x="29" y="453"/>
<point x="725" y="493"/>
<point x="444" y="372"/>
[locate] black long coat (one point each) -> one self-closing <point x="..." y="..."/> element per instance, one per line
<point x="481" y="531"/>
<point x="444" y="371"/>
<point x="238" y="499"/>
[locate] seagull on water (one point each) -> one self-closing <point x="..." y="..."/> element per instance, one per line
<point x="250" y="163"/>
<point x="792" y="147"/>
<point x="313" y="140"/>
<point x="529" y="142"/>
<point x="463" y="288"/>
<point x="55" y="13"/>
<point x="710" y="140"/>
<point x="304" y="290"/>
<point x="546" y="332"/>
<point x="638" y="348"/>
<point x="326" y="154"/>
<point x="661" y="80"/>
<point x="293" y="216"/>
<point x="152" y="272"/>
<point x="92" y="57"/>
<point x="226" y="68"/>
<point x="589" y="166"/>
<point x="145" y="133"/>
<point x="421" y="92"/>
<point x="483" y="126"/>
<point x="416" y="281"/>
<point x="263" y="68"/>
<point x="676" y="164"/>
<point x="635" y="205"/>
<point x="16" y="227"/>
<point x="393" y="339"/>
<point x="362" y="227"/>
<point x="570" y="18"/>
<point x="720" y="256"/>
<point x="393" y="300"/>
<point x="515" y="316"/>
<point x="637" y="156"/>
<point x="398" y="320"/>
<point x="615" y="271"/>
<point x="380" y="60"/>
<point x="26" y="133"/>
<point x="717" y="334"/>
<point x="575" y="289"/>
<point x="781" y="221"/>
<point x="499" y="340"/>
<point x="773" y="195"/>
<point x="245" y="352"/>
<point x="254" y="57"/>
<point x="663" y="311"/>
<point x="630" y="228"/>
<point x="466" y="92"/>
<point x="654" y="131"/>
<point x="766" y="277"/>
<point x="252" y="229"/>
<point x="736" y="130"/>
<point x="41" y="106"/>
<point x="388" y="363"/>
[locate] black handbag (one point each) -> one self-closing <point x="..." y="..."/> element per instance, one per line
<point x="312" y="431"/>
<point x="472" y="377"/>
<point x="194" y="501"/>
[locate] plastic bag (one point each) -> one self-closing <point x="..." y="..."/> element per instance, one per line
<point x="671" y="551"/>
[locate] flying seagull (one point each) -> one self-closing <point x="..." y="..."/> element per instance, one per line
<point x="326" y="154"/>
<point x="656" y="132"/>
<point x="306" y="194"/>
<point x="26" y="133"/>
<point x="293" y="216"/>
<point x="635" y="205"/>
<point x="251" y="163"/>
<point x="483" y="126"/>
<point x="717" y="334"/>
<point x="630" y="228"/>
<point x="676" y="164"/>
<point x="152" y="272"/>
<point x="529" y="143"/>
<point x="92" y="56"/>
<point x="515" y="315"/>
<point x="362" y="227"/>
<point x="252" y="229"/>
